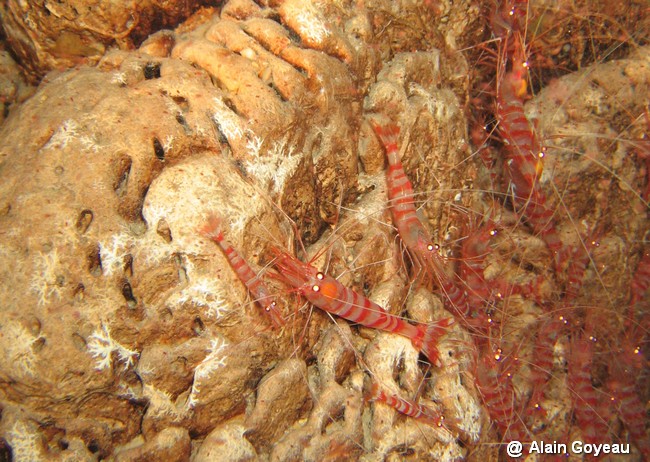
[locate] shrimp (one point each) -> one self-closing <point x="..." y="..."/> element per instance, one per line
<point x="400" y="191"/>
<point x="524" y="155"/>
<point x="640" y="282"/>
<point x="494" y="383"/>
<point x="328" y="294"/>
<point x="474" y="250"/>
<point x="590" y="405"/>
<point x="542" y="368"/>
<point x="407" y="407"/>
<point x="626" y="368"/>
<point x="255" y="285"/>
<point x="409" y="226"/>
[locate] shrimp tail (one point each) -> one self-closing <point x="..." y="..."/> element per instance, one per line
<point x="212" y="229"/>
<point x="388" y="135"/>
<point x="427" y="339"/>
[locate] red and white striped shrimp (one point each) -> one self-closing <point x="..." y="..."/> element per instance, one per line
<point x="625" y="369"/>
<point x="402" y="207"/>
<point x="254" y="284"/>
<point x="523" y="165"/>
<point x="407" y="407"/>
<point x="493" y="380"/>
<point x="590" y="406"/>
<point x="474" y="249"/>
<point x="409" y="226"/>
<point x="542" y="367"/>
<point x="328" y="294"/>
<point x="576" y="270"/>
<point x="640" y="282"/>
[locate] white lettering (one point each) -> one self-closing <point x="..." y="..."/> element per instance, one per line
<point x="578" y="447"/>
<point x="534" y="448"/>
<point x="540" y="447"/>
<point x="621" y="448"/>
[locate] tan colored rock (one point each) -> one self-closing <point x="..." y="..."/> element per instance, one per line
<point x="282" y="397"/>
<point x="171" y="444"/>
<point x="227" y="442"/>
<point x="59" y="35"/>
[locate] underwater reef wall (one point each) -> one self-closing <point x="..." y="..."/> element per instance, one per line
<point x="127" y="333"/>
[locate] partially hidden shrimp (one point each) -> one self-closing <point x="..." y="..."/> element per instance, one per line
<point x="624" y="373"/>
<point x="254" y="284"/>
<point x="407" y="407"/>
<point x="591" y="406"/>
<point x="523" y="164"/>
<point x="542" y="367"/>
<point x="328" y="294"/>
<point x="494" y="382"/>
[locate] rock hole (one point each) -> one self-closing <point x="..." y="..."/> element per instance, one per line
<point x="181" y="120"/>
<point x="63" y="444"/>
<point x="127" y="293"/>
<point x="277" y="91"/>
<point x="151" y="71"/>
<point x="164" y="231"/>
<point x="79" y="291"/>
<point x="38" y="345"/>
<point x="182" y="272"/>
<point x="5" y="451"/>
<point x="197" y="326"/>
<point x="123" y="170"/>
<point x="93" y="446"/>
<point x="84" y="220"/>
<point x="79" y="342"/>
<point x="181" y="102"/>
<point x="404" y="450"/>
<point x="158" y="149"/>
<point x="294" y="37"/>
<point x="222" y="136"/>
<point x="166" y="315"/>
<point x="94" y="260"/>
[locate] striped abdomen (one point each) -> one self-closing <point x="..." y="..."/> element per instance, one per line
<point x="400" y="190"/>
<point x="588" y="400"/>
<point x="498" y="396"/>
<point x="406" y="407"/>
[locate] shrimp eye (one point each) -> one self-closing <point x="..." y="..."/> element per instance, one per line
<point x="320" y="276"/>
<point x="430" y="247"/>
<point x="493" y="232"/>
<point x="315" y="288"/>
